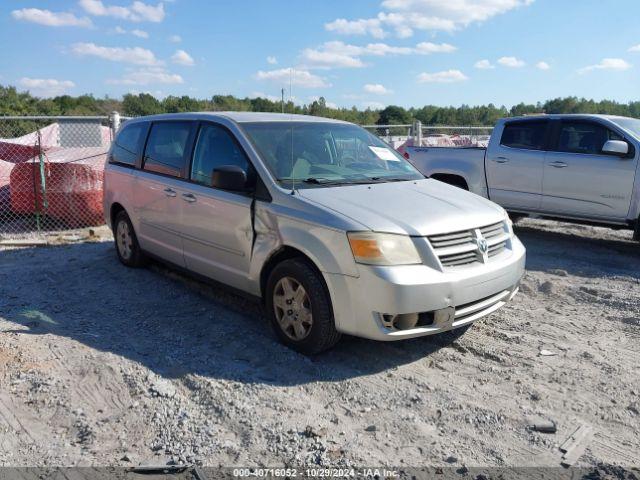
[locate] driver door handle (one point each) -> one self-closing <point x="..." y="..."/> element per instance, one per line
<point x="189" y="197"/>
<point x="558" y="164"/>
<point x="169" y="192"/>
<point x="501" y="159"/>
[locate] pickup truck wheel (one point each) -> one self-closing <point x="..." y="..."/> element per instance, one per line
<point x="299" y="308"/>
<point x="126" y="242"/>
<point x="636" y="231"/>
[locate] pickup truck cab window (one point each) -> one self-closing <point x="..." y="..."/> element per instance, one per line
<point x="528" y="135"/>
<point x="584" y="137"/>
<point x="166" y="150"/>
<point x="128" y="144"/>
<point x="215" y="147"/>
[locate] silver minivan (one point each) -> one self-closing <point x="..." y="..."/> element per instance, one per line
<point x="336" y="231"/>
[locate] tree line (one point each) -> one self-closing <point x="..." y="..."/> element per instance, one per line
<point x="14" y="102"/>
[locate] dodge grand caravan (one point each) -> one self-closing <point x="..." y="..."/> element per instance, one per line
<point x="332" y="228"/>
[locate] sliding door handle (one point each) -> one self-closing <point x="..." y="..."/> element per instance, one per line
<point x="169" y="192"/>
<point x="189" y="197"/>
<point x="501" y="159"/>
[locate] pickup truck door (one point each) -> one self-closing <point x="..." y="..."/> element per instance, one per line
<point x="580" y="180"/>
<point x="514" y="164"/>
<point x="217" y="227"/>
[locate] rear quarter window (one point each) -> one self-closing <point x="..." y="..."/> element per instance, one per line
<point x="525" y="135"/>
<point x="128" y="144"/>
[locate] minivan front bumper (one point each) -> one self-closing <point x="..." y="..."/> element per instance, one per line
<point x="367" y="305"/>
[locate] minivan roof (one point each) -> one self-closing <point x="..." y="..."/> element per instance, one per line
<point x="241" y="117"/>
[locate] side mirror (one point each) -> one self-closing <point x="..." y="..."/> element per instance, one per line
<point x="615" y="147"/>
<point x="229" y="177"/>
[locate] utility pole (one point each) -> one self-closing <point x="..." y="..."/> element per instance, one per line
<point x="282" y="91"/>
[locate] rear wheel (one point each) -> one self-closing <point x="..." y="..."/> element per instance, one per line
<point x="299" y="308"/>
<point x="126" y="241"/>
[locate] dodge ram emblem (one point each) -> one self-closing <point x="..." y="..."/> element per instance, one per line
<point x="482" y="245"/>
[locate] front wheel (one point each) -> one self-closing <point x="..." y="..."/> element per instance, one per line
<point x="299" y="308"/>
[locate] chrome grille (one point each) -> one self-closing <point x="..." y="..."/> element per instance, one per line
<point x="462" y="248"/>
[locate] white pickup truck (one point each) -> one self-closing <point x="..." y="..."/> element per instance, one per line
<point x="574" y="167"/>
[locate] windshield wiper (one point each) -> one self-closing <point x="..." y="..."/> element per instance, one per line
<point x="391" y="179"/>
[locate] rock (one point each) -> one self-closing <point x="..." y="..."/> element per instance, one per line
<point x="162" y="388"/>
<point x="451" y="459"/>
<point x="547" y="287"/>
<point x="371" y="428"/>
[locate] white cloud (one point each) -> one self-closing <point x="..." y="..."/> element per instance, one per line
<point x="49" y="18"/>
<point x="135" y="55"/>
<point x="405" y="16"/>
<point x="149" y="76"/>
<point x="511" y="62"/>
<point x="298" y="78"/>
<point x="136" y="32"/>
<point x="337" y="54"/>
<point x="46" y="87"/>
<point x="635" y="48"/>
<point x="483" y="65"/>
<point x="175" y="38"/>
<point x="139" y="33"/>
<point x="607" y="64"/>
<point x="427" y="48"/>
<point x="447" y="76"/>
<point x="371" y="26"/>
<point x="377" y="89"/>
<point x="182" y="58"/>
<point x="543" y="66"/>
<point x="136" y="12"/>
<point x="272" y="60"/>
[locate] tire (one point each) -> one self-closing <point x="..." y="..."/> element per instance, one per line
<point x="126" y="242"/>
<point x="307" y="325"/>
<point x="636" y="231"/>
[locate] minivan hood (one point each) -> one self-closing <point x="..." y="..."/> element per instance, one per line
<point x="417" y="208"/>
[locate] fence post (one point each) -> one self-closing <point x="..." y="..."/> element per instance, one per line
<point x="417" y="133"/>
<point x="115" y="123"/>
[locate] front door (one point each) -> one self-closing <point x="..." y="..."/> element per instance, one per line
<point x="580" y="180"/>
<point x="515" y="163"/>
<point x="216" y="224"/>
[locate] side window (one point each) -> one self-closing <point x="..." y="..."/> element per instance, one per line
<point x="128" y="144"/>
<point x="582" y="137"/>
<point x="215" y="147"/>
<point x="166" y="150"/>
<point x="527" y="135"/>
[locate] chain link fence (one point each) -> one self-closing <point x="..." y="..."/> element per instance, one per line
<point x="432" y="135"/>
<point x="51" y="174"/>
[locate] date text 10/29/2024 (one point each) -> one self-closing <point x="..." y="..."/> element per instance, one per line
<point x="315" y="473"/>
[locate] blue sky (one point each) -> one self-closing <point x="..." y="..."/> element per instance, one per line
<point x="352" y="52"/>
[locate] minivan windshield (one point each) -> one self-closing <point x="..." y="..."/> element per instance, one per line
<point x="314" y="154"/>
<point x="631" y="125"/>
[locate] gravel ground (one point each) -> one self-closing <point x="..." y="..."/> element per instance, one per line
<point x="104" y="365"/>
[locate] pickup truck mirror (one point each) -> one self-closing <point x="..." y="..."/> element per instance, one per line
<point x="229" y="177"/>
<point x="615" y="147"/>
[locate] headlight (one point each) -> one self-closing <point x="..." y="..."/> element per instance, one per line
<point x="383" y="249"/>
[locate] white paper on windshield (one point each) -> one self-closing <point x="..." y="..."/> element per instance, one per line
<point x="384" y="154"/>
